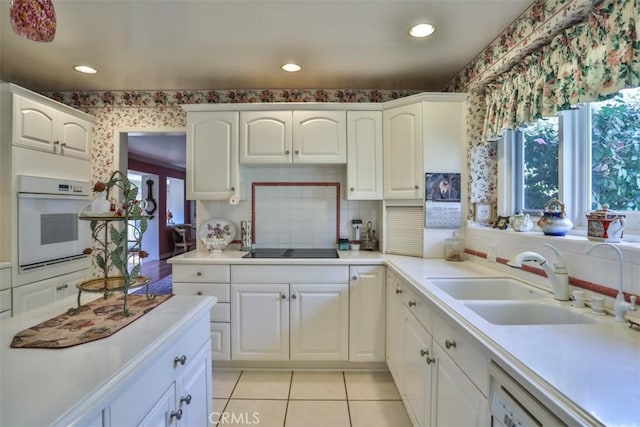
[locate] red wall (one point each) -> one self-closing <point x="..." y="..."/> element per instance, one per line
<point x="165" y="239"/>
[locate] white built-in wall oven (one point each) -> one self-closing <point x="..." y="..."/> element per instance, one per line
<point x="49" y="229"/>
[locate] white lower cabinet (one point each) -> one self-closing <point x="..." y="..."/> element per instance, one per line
<point x="417" y="360"/>
<point x="293" y="312"/>
<point x="289" y="322"/>
<point x="459" y="402"/>
<point x="440" y="374"/>
<point x="37" y="294"/>
<point x="175" y="389"/>
<point x="260" y="322"/>
<point x="209" y="280"/>
<point x="367" y="313"/>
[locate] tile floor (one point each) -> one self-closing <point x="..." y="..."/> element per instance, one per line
<point x="307" y="399"/>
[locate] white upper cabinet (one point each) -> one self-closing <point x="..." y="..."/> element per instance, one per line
<point x="266" y="137"/>
<point x="402" y="143"/>
<point x="364" y="155"/>
<point x="319" y="137"/>
<point x="212" y="155"/>
<point x="281" y="137"/>
<point x="42" y="127"/>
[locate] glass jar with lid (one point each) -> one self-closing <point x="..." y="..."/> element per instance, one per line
<point x="454" y="248"/>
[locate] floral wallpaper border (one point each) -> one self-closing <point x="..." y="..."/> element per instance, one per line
<point x="170" y="98"/>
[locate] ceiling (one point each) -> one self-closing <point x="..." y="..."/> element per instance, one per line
<point x="240" y="44"/>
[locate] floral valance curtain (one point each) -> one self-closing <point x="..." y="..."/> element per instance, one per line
<point x="587" y="62"/>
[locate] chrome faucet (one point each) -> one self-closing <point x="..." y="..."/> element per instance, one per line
<point x="558" y="274"/>
<point x="620" y="306"/>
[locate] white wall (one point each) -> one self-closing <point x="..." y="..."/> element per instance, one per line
<point x="175" y="199"/>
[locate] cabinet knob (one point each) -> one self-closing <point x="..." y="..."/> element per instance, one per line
<point x="423" y="353"/>
<point x="287" y="152"/>
<point x="297" y="151"/>
<point x="412" y="303"/>
<point x="352" y="189"/>
<point x="355" y="277"/>
<point x="294" y="296"/>
<point x="176" y="414"/>
<point x="283" y="296"/>
<point x="430" y="360"/>
<point x="449" y="344"/>
<point x="181" y="360"/>
<point x="233" y="189"/>
<point x="199" y="293"/>
<point x="199" y="273"/>
<point x="186" y="399"/>
<point x="416" y="186"/>
<point x="398" y="291"/>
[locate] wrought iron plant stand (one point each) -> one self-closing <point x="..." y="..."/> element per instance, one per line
<point x="113" y="233"/>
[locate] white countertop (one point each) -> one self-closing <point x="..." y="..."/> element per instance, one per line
<point x="232" y="255"/>
<point x="42" y="386"/>
<point x="591" y="371"/>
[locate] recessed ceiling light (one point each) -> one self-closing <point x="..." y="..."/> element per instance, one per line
<point x="291" y="67"/>
<point x="85" y="69"/>
<point x="421" y="30"/>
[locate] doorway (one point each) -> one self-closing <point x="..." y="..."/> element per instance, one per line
<point x="154" y="155"/>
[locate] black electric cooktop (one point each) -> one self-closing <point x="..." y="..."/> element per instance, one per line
<point x="292" y="253"/>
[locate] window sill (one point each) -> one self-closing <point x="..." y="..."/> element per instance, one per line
<point x="631" y="242"/>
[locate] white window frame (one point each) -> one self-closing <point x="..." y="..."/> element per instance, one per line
<point x="574" y="169"/>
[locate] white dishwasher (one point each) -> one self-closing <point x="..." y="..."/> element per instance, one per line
<point x="512" y="406"/>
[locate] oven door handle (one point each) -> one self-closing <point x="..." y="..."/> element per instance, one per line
<point x="52" y="196"/>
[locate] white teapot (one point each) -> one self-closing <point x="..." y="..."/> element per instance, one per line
<point x="521" y="222"/>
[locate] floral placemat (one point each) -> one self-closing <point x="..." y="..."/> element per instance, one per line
<point x="96" y="320"/>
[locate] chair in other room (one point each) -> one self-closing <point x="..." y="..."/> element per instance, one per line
<point x="182" y="239"/>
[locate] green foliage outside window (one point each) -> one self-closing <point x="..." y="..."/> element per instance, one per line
<point x="540" y="163"/>
<point x="615" y="152"/>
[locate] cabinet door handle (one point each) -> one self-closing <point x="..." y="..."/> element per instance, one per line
<point x="352" y="189"/>
<point x="283" y="296"/>
<point x="186" y="399"/>
<point x="199" y="273"/>
<point x="55" y="146"/>
<point x="355" y="277"/>
<point x="413" y="304"/>
<point x="424" y="353"/>
<point x="59" y="288"/>
<point x="416" y="186"/>
<point x="287" y="152"/>
<point x="176" y="414"/>
<point x="398" y="291"/>
<point x="199" y="293"/>
<point x="430" y="360"/>
<point x="62" y="145"/>
<point x="449" y="344"/>
<point x="233" y="189"/>
<point x="294" y="296"/>
<point x="181" y="360"/>
<point x="297" y="151"/>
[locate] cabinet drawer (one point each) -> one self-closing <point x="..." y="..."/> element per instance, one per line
<point x="290" y="274"/>
<point x="473" y="362"/>
<point x="5" y="278"/>
<point x="141" y="392"/>
<point x="201" y="273"/>
<point x="219" y="290"/>
<point x="5" y="300"/>
<point x="418" y="306"/>
<point x="221" y="312"/>
<point x="220" y="341"/>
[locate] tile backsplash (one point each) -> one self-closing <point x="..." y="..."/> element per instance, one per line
<point x="295" y="216"/>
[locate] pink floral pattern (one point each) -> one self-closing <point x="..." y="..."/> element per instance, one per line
<point x="33" y="19"/>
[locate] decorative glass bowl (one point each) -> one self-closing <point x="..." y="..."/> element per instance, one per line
<point x="214" y="245"/>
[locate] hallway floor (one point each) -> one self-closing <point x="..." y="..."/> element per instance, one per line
<point x="307" y="399"/>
